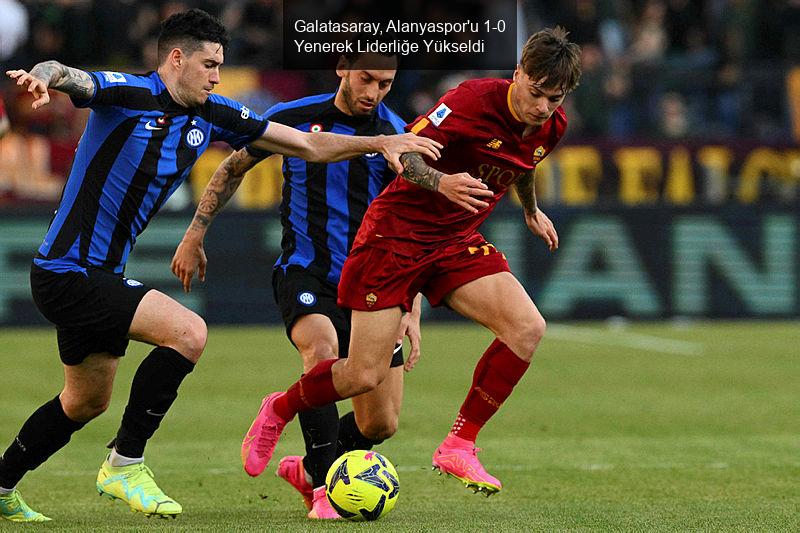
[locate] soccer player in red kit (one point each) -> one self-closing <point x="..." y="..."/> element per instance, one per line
<point x="421" y="235"/>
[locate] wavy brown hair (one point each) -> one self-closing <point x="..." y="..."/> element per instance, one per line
<point x="549" y="55"/>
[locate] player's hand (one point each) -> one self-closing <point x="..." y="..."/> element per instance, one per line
<point x="396" y="145"/>
<point x="464" y="190"/>
<point x="36" y="86"/>
<point x="189" y="258"/>
<point x="409" y="327"/>
<point x="541" y="226"/>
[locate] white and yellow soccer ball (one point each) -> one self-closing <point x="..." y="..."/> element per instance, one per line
<point x="362" y="485"/>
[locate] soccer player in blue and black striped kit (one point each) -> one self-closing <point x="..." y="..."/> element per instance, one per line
<point x="321" y="211"/>
<point x="144" y="134"/>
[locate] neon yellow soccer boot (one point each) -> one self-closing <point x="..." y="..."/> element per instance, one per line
<point x="14" y="508"/>
<point x="135" y="486"/>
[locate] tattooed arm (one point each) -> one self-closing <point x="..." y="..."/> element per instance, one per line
<point x="71" y="81"/>
<point x="539" y="223"/>
<point x="526" y="190"/>
<point x="189" y="256"/>
<point x="461" y="188"/>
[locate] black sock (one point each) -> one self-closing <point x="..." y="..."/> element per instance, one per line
<point x="350" y="437"/>
<point x="45" y="432"/>
<point x="154" y="388"/>
<point x="320" y="427"/>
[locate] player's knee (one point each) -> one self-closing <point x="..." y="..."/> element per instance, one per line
<point x="84" y="409"/>
<point x="379" y="430"/>
<point x="525" y="336"/>
<point x="193" y="337"/>
<point x="368" y="379"/>
<point x="315" y="353"/>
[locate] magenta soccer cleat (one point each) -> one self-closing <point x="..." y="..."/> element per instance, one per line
<point x="321" y="508"/>
<point x="292" y="470"/>
<point x="262" y="437"/>
<point x="458" y="458"/>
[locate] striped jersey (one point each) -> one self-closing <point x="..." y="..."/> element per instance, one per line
<point x="323" y="203"/>
<point x="139" y="145"/>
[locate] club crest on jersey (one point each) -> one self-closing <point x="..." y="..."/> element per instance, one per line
<point x="494" y="144"/>
<point x="315" y="128"/>
<point x="195" y="137"/>
<point x="371" y="299"/>
<point x="114" y="77"/>
<point x="538" y="154"/>
<point x="307" y="298"/>
<point x="438" y="115"/>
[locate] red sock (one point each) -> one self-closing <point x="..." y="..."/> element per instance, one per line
<point x="496" y="374"/>
<point x="313" y="389"/>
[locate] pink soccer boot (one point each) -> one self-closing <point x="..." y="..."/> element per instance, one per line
<point x="291" y="469"/>
<point x="262" y="437"/>
<point x="458" y="458"/>
<point x="321" y="508"/>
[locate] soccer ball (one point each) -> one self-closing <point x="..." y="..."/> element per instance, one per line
<point x="362" y="485"/>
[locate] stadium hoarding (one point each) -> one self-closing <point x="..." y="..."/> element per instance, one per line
<point x="636" y="262"/>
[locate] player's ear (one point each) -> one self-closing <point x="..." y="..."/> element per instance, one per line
<point x="342" y="67"/>
<point x="517" y="73"/>
<point x="176" y="57"/>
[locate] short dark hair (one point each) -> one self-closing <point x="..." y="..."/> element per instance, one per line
<point x="188" y="30"/>
<point x="548" y="54"/>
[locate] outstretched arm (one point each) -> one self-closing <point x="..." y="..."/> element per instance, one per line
<point x="322" y="147"/>
<point x="460" y="188"/>
<point x="68" y="80"/>
<point x="537" y="221"/>
<point x="190" y="257"/>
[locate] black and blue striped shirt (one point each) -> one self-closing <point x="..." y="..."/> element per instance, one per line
<point x="138" y="147"/>
<point x="323" y="203"/>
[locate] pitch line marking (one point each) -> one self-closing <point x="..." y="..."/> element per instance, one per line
<point x="638" y="341"/>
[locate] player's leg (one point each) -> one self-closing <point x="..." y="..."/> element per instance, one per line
<point x="370" y="277"/>
<point x="375" y="413"/>
<point x="499" y="302"/>
<point x="179" y="336"/>
<point x="89" y="348"/>
<point x="373" y="337"/>
<point x="316" y="339"/>
<point x="86" y="394"/>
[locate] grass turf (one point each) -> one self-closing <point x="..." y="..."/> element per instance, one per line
<point x="644" y="427"/>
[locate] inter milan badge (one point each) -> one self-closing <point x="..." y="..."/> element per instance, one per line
<point x="315" y="128"/>
<point x="195" y="137"/>
<point x="307" y="298"/>
<point x="132" y="282"/>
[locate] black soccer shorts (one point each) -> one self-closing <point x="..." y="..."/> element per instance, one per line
<point x="300" y="292"/>
<point x="92" y="311"/>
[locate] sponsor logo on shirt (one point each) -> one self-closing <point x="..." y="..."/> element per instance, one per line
<point x="113" y="77"/>
<point x="195" y="137"/>
<point x="494" y="144"/>
<point x="438" y="115"/>
<point x="132" y="282"/>
<point x="307" y="298"/>
<point x="371" y="299"/>
<point x="245" y="113"/>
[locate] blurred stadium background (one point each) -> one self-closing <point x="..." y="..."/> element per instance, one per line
<point x="675" y="193"/>
<point x="675" y="190"/>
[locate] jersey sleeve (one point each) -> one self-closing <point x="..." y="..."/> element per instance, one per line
<point x="269" y="115"/>
<point x="114" y="89"/>
<point x="234" y="123"/>
<point x="451" y="119"/>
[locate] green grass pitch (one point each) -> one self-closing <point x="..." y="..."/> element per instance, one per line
<point x="648" y="427"/>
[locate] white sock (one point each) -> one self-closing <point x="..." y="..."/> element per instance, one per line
<point x="4" y="491"/>
<point x="115" y="459"/>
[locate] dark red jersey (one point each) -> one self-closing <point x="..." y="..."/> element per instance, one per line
<point x="482" y="136"/>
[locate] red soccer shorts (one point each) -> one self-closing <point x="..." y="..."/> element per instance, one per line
<point x="374" y="278"/>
